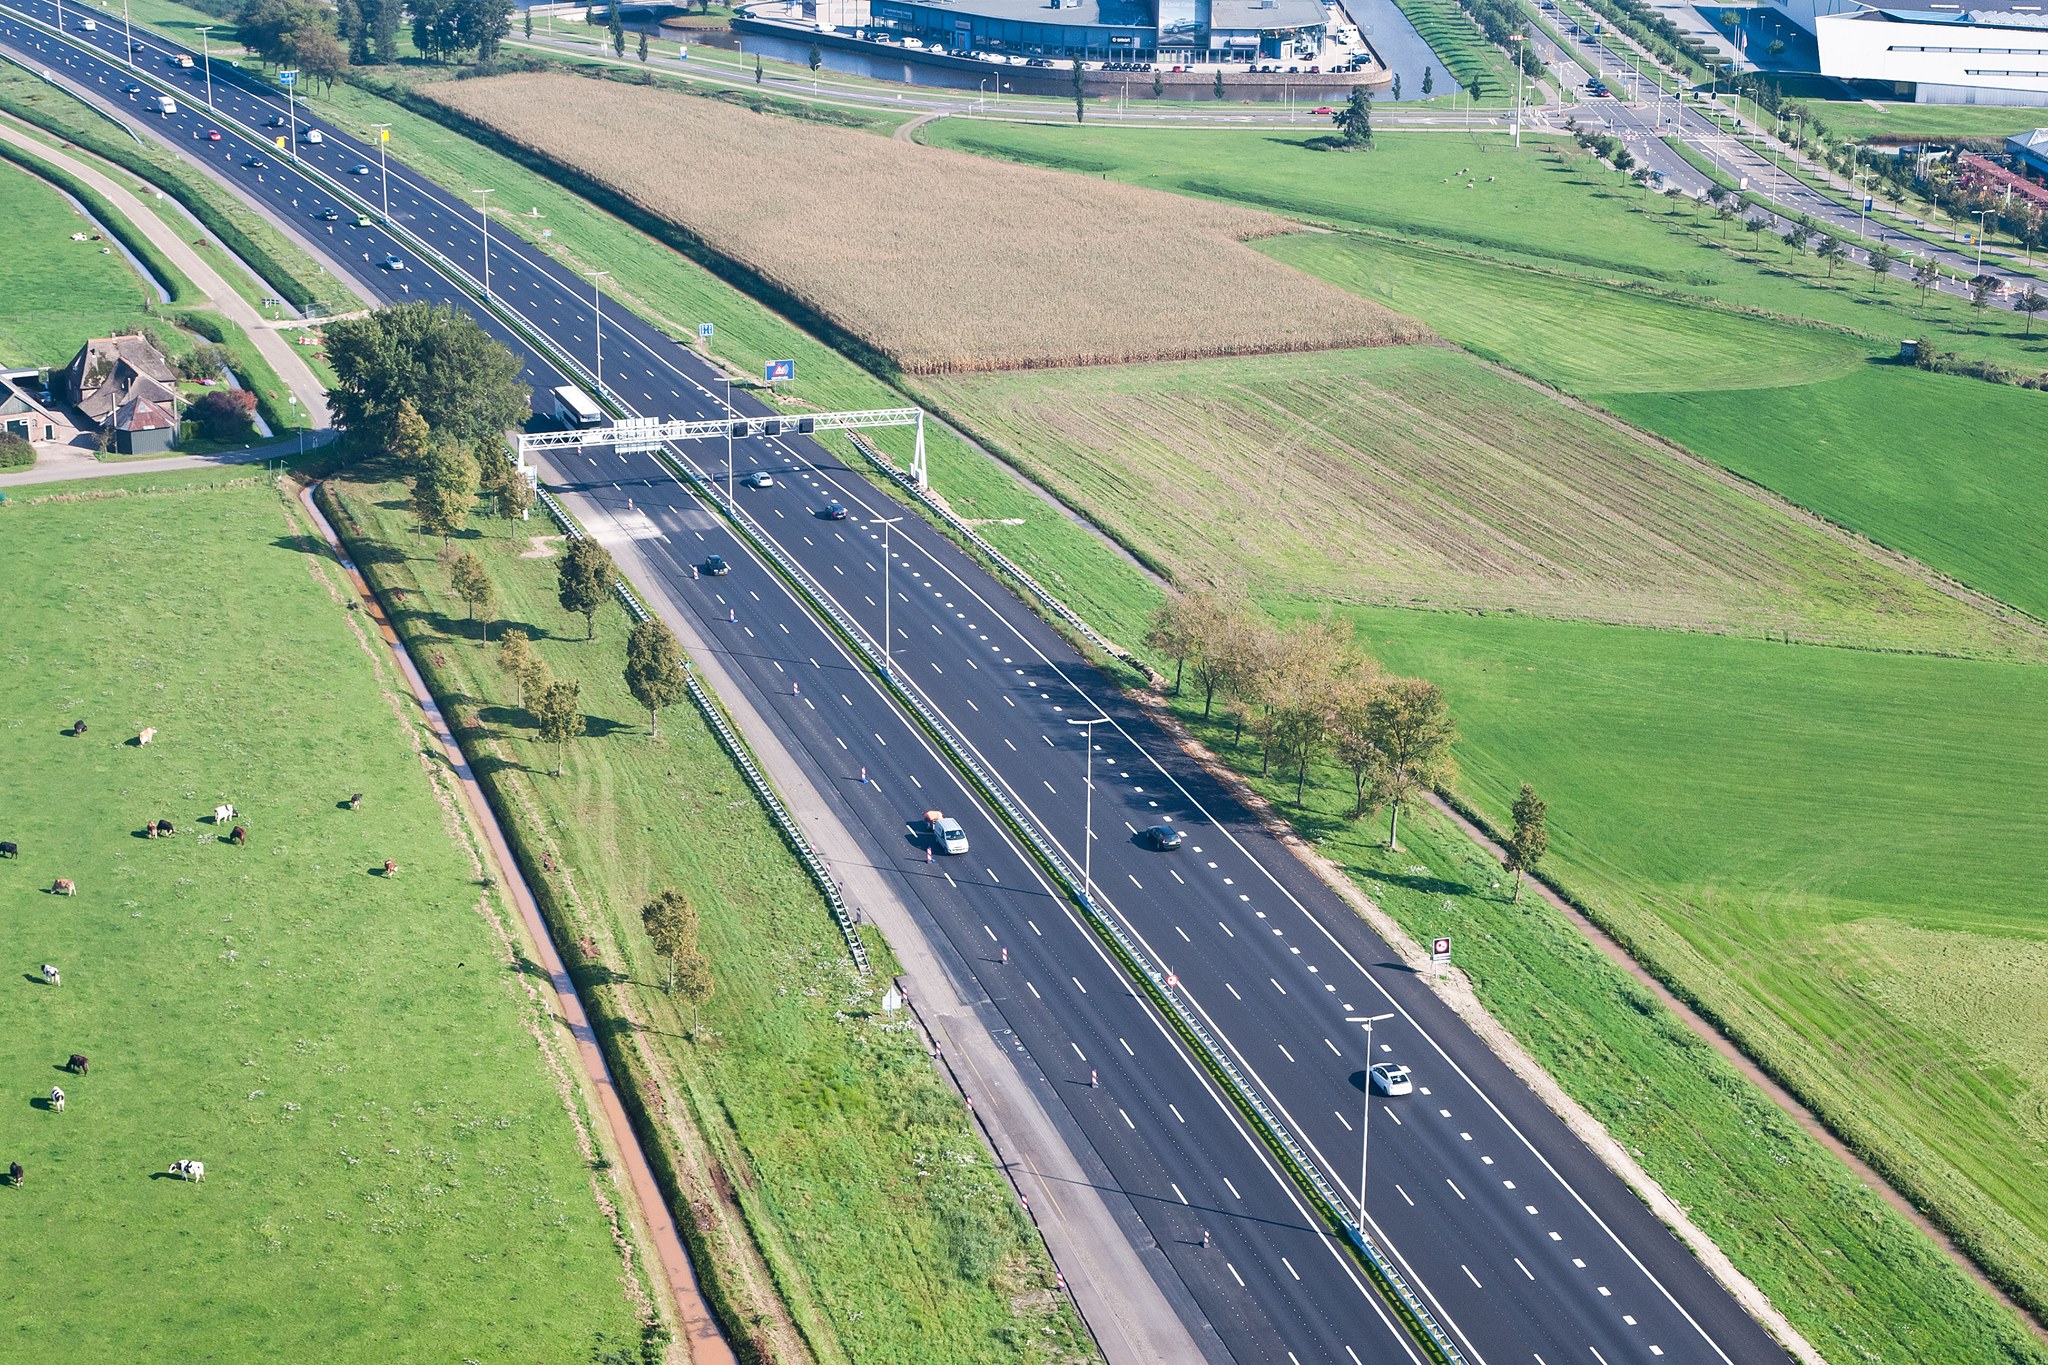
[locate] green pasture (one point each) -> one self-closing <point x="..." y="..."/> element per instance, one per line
<point x="1857" y="121"/>
<point x="391" y="1170"/>
<point x="887" y="1229"/>
<point x="1729" y="838"/>
<point x="54" y="292"/>
<point x="1947" y="469"/>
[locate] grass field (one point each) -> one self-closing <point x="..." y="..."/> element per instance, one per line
<point x="391" y="1169"/>
<point x="880" y="1219"/>
<point x="856" y="229"/>
<point x="55" y="292"/>
<point x="1477" y="64"/>
<point x="1857" y="121"/>
<point x="1694" y="823"/>
<point x="1418" y="476"/>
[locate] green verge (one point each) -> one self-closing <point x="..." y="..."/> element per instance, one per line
<point x="53" y="291"/>
<point x="289" y="271"/>
<point x="174" y="282"/>
<point x="888" y="1231"/>
<point x="392" y="1165"/>
<point x="1858" y="122"/>
<point x="1474" y="62"/>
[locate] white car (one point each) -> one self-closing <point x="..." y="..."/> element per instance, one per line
<point x="313" y="136"/>
<point x="394" y="262"/>
<point x="760" y="478"/>
<point x="1391" y="1078"/>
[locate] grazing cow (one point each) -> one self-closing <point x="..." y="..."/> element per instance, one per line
<point x="149" y="829"/>
<point x="14" y="1174"/>
<point x="57" y="1098"/>
<point x="8" y="850"/>
<point x="390" y="868"/>
<point x="223" y="814"/>
<point x="146" y="736"/>
<point x="77" y="727"/>
<point x="78" y="1064"/>
<point x="163" y="827"/>
<point x="51" y="976"/>
<point x="238" y="836"/>
<point x="356" y="802"/>
<point x="64" y="887"/>
<point x="189" y="1170"/>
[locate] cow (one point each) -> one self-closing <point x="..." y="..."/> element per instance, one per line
<point x="390" y="868"/>
<point x="14" y="1174"/>
<point x="146" y="736"/>
<point x="78" y="1064"/>
<point x="223" y="814"/>
<point x="238" y="836"/>
<point x="8" y="850"/>
<point x="57" y="1098"/>
<point x="64" y="886"/>
<point x="51" y="976"/>
<point x="149" y="829"/>
<point x="77" y="727"/>
<point x="189" y="1170"/>
<point x="356" y="802"/>
<point x="163" y="828"/>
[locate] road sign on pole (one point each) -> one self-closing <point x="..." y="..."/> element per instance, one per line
<point x="287" y="78"/>
<point x="780" y="369"/>
<point x="636" y="435"/>
<point x="1440" y="951"/>
<point x="703" y="331"/>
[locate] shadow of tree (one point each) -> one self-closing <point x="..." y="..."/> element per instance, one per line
<point x="598" y="727"/>
<point x="484" y="765"/>
<point x="305" y="545"/>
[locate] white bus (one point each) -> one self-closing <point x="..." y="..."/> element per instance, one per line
<point x="573" y="408"/>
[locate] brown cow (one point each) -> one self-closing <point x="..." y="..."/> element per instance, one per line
<point x="64" y="887"/>
<point x="238" y="836"/>
<point x="390" y="868"/>
<point x="149" y="828"/>
<point x="78" y="1064"/>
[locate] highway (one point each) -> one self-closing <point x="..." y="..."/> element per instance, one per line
<point x="1522" y="1243"/>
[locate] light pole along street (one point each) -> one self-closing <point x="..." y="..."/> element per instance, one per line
<point x="888" y="666"/>
<point x="206" y="61"/>
<point x="384" y="136"/>
<point x="1088" y="809"/>
<point x="1365" y="1116"/>
<point x="597" y="322"/>
<point x="483" y="215"/>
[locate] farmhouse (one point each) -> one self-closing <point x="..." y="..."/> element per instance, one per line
<point x="124" y="388"/>
<point x="23" y="411"/>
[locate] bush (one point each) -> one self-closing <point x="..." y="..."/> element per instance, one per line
<point x="202" y="362"/>
<point x="224" y="414"/>
<point x="15" y="451"/>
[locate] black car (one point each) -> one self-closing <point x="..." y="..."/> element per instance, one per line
<point x="716" y="566"/>
<point x="328" y="215"/>
<point x="256" y="163"/>
<point x="835" y="511"/>
<point x="1160" y="838"/>
<point x="276" y="121"/>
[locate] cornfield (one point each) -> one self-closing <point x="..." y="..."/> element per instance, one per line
<point x="945" y="262"/>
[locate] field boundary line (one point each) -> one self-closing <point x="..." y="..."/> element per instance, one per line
<point x="703" y="1334"/>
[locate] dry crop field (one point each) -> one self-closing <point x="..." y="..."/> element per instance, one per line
<point x="1420" y="476"/>
<point x="946" y="262"/>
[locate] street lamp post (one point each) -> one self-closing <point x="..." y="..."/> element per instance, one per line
<point x="206" y="61"/>
<point x="1088" y="811"/>
<point x="888" y="666"/>
<point x="483" y="214"/>
<point x="128" y="34"/>
<point x="597" y="323"/>
<point x="384" y="174"/>
<point x="1365" y="1115"/>
<point x="1981" y="215"/>
<point x="1518" y="38"/>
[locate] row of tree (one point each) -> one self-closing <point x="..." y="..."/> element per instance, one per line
<point x="324" y="42"/>
<point x="1308" y="693"/>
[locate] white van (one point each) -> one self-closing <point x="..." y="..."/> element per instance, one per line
<point x="166" y="105"/>
<point x="89" y="26"/>
<point x="312" y="135"/>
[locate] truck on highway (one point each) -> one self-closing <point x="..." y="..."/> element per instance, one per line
<point x="183" y="60"/>
<point x="573" y="407"/>
<point x="166" y="105"/>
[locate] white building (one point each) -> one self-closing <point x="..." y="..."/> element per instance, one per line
<point x="1929" y="51"/>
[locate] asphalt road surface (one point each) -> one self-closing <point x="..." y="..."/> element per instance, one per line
<point x="1525" y="1246"/>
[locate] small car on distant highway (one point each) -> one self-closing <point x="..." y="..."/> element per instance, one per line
<point x="835" y="511"/>
<point x="360" y="168"/>
<point x="255" y="163"/>
<point x="716" y="566"/>
<point x="393" y="262"/>
<point x="1160" y="838"/>
<point x="946" y="834"/>
<point x="213" y="134"/>
<point x="275" y="121"/>
<point x="1325" y="109"/>
<point x="760" y="478"/>
<point x="1391" y="1078"/>
<point x="362" y="220"/>
<point x="313" y="136"/>
<point x="131" y="89"/>
<point x="329" y="215"/>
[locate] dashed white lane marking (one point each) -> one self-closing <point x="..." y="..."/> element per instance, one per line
<point x="1177" y="1194"/>
<point x="1077" y="983"/>
<point x="1176" y="1113"/>
<point x="1292" y="1271"/>
<point x="1141" y="886"/>
<point x="1232" y="1188"/>
<point x="1605" y="1292"/>
<point x="1284" y="1052"/>
<point x="1183" y="934"/>
<point x="1225" y="928"/>
<point x="1332" y="1046"/>
<point x="1034" y="991"/>
<point x="1470" y="1276"/>
<point x="1013" y="748"/>
<point x="1035" y="929"/>
<point x="1077" y="1050"/>
<point x="1276" y="985"/>
<point x="1127" y="1047"/>
<point x="1454" y="1187"/>
<point x="1531" y="1208"/>
<point x="1127" y="1120"/>
<point x="1233" y="1274"/>
<point x="1404" y="1194"/>
<point x="990" y="932"/>
<point x="1629" y="1319"/>
<point x="841" y="743"/>
<point x="1519" y="1266"/>
<point x="1389" y="1112"/>
<point x="1233" y="991"/>
<point x="1596" y="1355"/>
<point x="1341" y="1119"/>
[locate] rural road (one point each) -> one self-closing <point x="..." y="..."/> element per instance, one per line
<point x="700" y="1330"/>
<point x="72" y="462"/>
<point x="283" y="357"/>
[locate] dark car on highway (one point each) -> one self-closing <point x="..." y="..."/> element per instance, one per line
<point x="716" y="566"/>
<point x="835" y="511"/>
<point x="1160" y="838"/>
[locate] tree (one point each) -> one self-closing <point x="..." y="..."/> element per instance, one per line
<point x="2029" y="303"/>
<point x="1755" y="225"/>
<point x="1158" y="86"/>
<point x="654" y="670"/>
<point x="320" y="56"/>
<point x="757" y="68"/>
<point x="384" y="19"/>
<point x="558" y="709"/>
<point x="1926" y="274"/>
<point x="203" y="362"/>
<point x="693" y="976"/>
<point x="643" y="47"/>
<point x="465" y="385"/>
<point x="1832" y="251"/>
<point x="1530" y="838"/>
<point x="1175" y="633"/>
<point x="517" y="661"/>
<point x="502" y="480"/>
<point x="472" y="583"/>
<point x="815" y="59"/>
<point x="1080" y="91"/>
<point x="527" y="13"/>
<point x="671" y="923"/>
<point x="1411" y="733"/>
<point x="618" y="32"/>
<point x="224" y="414"/>
<point x="1395" y="90"/>
<point x="445" y="489"/>
<point x="587" y="579"/>
<point x="1299" y="688"/>
<point x="1219" y="83"/>
<point x="1797" y="236"/>
<point x="1980" y="293"/>
<point x="1355" y="118"/>
<point x="1879" y="258"/>
<point x="408" y="441"/>
<point x="1428" y="81"/>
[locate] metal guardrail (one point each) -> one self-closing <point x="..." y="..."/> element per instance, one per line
<point x="743" y="759"/>
<point x="1002" y="561"/>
